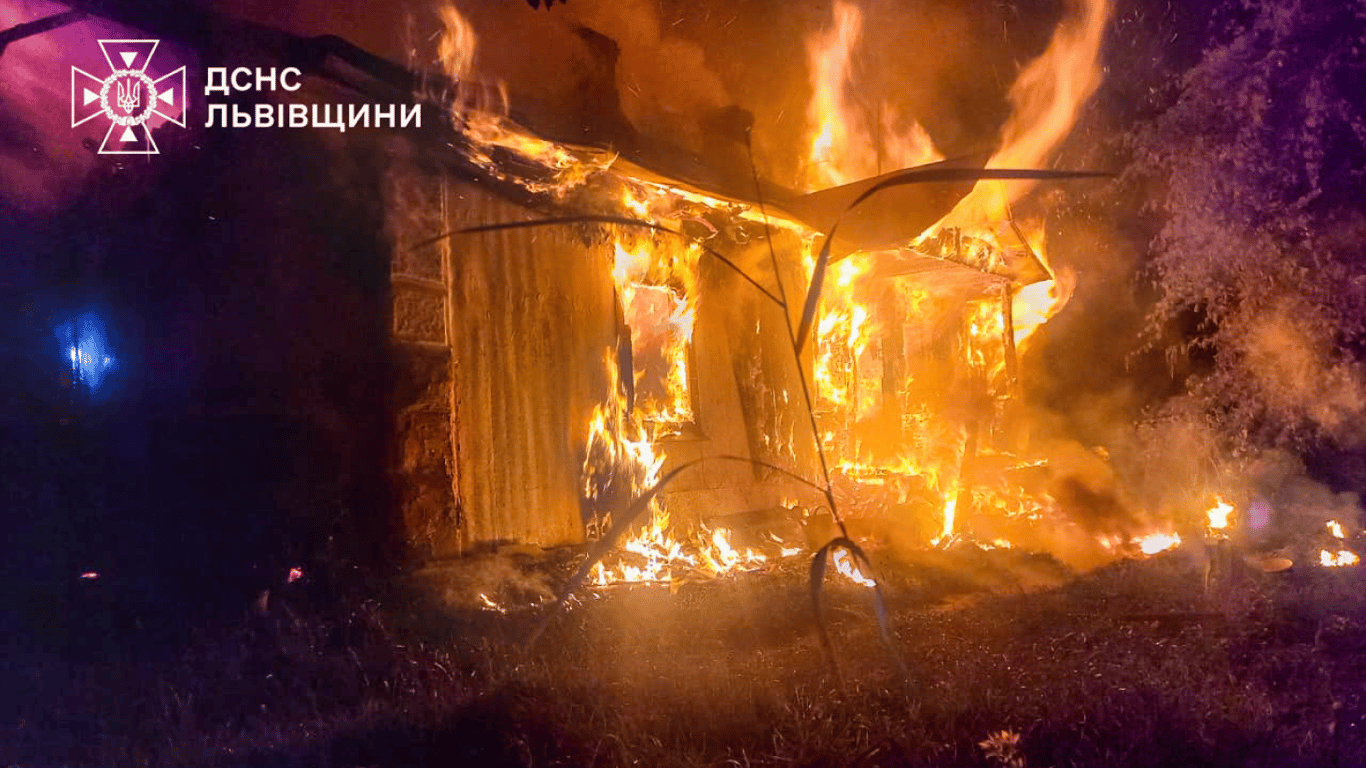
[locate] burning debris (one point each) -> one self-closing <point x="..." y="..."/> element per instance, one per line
<point x="1157" y="542"/>
<point x="1339" y="557"/>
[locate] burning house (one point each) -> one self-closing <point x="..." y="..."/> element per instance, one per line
<point x="580" y="322"/>
<point x="515" y="334"/>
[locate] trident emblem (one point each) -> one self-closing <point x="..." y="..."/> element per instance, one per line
<point x="128" y="96"/>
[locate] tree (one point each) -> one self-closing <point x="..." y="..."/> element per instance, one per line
<point x="1256" y="172"/>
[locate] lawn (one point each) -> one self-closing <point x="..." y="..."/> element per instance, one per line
<point x="1130" y="665"/>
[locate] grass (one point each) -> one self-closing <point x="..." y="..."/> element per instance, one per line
<point x="1126" y="666"/>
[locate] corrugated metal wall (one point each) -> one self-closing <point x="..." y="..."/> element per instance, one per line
<point x="500" y="344"/>
<point x="530" y="320"/>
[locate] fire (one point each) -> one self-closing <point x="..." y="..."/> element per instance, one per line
<point x="950" y="513"/>
<point x="721" y="557"/>
<point x="848" y="363"/>
<point x="1157" y="542"/>
<point x="1219" y="516"/>
<point x="1032" y="306"/>
<point x="1046" y="97"/>
<point x="1342" y="557"/>
<point x="657" y="283"/>
<point x="845" y="565"/>
<point x="655" y="556"/>
<point x="842" y="146"/>
<point x="842" y="336"/>
<point x="1337" y="559"/>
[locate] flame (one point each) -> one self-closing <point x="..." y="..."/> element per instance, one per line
<point x="1342" y="557"/>
<point x="1032" y="306"/>
<point x="1046" y="97"/>
<point x="842" y="147"/>
<point x="456" y="46"/>
<point x="1157" y="542"/>
<point x="1219" y="516"/>
<point x="845" y="565"/>
<point x="655" y="556"/>
<point x="657" y="282"/>
<point x="950" y="513"/>
<point x="842" y="334"/>
<point x="1338" y="559"/>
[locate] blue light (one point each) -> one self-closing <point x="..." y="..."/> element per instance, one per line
<point x="87" y="349"/>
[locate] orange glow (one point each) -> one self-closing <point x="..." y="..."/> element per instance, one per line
<point x="1220" y="516"/>
<point x="842" y="146"/>
<point x="845" y="566"/>
<point x="1046" y="98"/>
<point x="1338" y="559"/>
<point x="1157" y="542"/>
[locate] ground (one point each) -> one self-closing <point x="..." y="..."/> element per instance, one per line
<point x="1133" y="664"/>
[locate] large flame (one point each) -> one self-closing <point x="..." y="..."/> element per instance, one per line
<point x="657" y="284"/>
<point x="656" y="281"/>
<point x="1157" y="542"/>
<point x="843" y="147"/>
<point x="1046" y="98"/>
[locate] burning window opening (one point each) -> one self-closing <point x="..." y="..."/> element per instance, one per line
<point x="656" y="284"/>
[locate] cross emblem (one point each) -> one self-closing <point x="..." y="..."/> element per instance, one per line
<point x="128" y="97"/>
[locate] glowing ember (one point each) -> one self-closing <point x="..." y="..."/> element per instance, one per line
<point x="1337" y="559"/>
<point x="1157" y="542"/>
<point x="90" y="575"/>
<point x="1342" y="557"/>
<point x="845" y="565"/>
<point x="783" y="549"/>
<point x="295" y="574"/>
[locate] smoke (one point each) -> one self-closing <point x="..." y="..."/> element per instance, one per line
<point x="664" y="81"/>
<point x="1045" y="98"/>
<point x="1213" y="343"/>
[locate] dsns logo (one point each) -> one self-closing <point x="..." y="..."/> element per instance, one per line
<point x="128" y="97"/>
